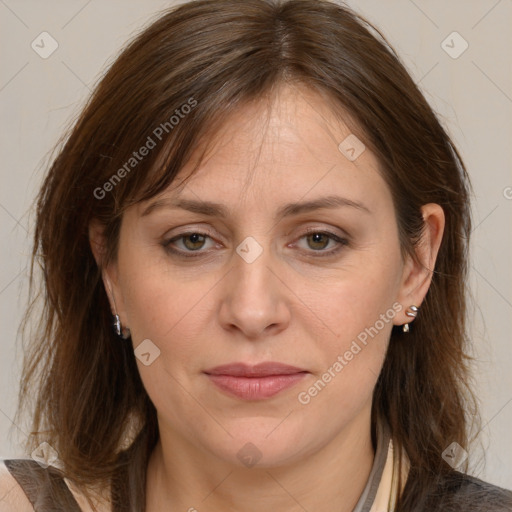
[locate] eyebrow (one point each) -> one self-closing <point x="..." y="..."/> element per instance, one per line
<point x="219" y="210"/>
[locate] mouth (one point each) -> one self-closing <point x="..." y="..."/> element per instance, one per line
<point x="255" y="382"/>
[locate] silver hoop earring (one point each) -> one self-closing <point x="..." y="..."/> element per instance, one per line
<point x="118" y="329"/>
<point x="411" y="312"/>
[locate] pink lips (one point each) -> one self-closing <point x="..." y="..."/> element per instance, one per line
<point x="255" y="382"/>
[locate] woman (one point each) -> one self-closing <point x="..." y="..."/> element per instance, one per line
<point x="262" y="201"/>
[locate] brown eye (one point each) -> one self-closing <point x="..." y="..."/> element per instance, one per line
<point x="318" y="240"/>
<point x="196" y="241"/>
<point x="191" y="242"/>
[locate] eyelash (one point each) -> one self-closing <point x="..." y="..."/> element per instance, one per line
<point x="342" y="242"/>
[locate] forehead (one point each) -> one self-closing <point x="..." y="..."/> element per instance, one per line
<point x="284" y="146"/>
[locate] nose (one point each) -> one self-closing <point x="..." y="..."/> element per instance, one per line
<point x="255" y="301"/>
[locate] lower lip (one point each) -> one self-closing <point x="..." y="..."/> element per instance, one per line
<point x="256" y="388"/>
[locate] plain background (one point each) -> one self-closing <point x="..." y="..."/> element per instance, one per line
<point x="471" y="93"/>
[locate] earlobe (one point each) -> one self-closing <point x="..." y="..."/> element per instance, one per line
<point x="418" y="272"/>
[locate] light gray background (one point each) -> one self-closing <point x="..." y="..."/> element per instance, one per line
<point x="472" y="94"/>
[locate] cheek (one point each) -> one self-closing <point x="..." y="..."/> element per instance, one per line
<point x="170" y="309"/>
<point x="356" y="299"/>
<point x="362" y="322"/>
<point x="359" y="311"/>
<point x="352" y="359"/>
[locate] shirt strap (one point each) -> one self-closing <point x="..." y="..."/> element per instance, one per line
<point x="44" y="487"/>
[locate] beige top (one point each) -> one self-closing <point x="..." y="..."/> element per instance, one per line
<point x="388" y="491"/>
<point x="381" y="490"/>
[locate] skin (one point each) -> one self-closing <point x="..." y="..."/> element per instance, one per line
<point x="288" y="305"/>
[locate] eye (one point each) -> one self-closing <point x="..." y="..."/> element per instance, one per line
<point x="319" y="240"/>
<point x="192" y="242"/>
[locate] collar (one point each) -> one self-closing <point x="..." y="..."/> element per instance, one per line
<point x="382" y="488"/>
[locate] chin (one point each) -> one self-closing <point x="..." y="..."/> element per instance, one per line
<point x="262" y="446"/>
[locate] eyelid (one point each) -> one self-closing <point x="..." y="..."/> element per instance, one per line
<point x="328" y="231"/>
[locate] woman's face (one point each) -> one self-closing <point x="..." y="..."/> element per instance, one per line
<point x="253" y="286"/>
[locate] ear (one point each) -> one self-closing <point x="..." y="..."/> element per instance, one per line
<point x="417" y="275"/>
<point x="98" y="245"/>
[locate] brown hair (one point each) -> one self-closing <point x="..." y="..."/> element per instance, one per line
<point x="215" y="56"/>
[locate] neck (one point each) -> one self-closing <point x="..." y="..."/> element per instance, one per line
<point x="183" y="476"/>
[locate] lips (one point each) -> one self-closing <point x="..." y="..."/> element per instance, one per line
<point x="255" y="382"/>
<point x="258" y="370"/>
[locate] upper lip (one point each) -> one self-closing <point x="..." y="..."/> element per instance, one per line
<point x="258" y="370"/>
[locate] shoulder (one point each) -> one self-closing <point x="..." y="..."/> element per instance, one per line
<point x="457" y="491"/>
<point x="12" y="497"/>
